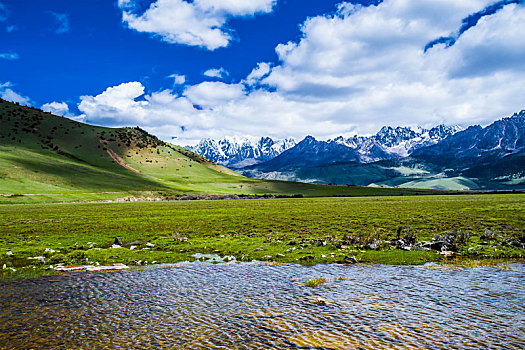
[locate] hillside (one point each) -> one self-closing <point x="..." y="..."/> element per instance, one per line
<point x="44" y="157"/>
<point x="43" y="153"/>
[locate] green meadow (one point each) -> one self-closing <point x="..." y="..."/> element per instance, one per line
<point x="302" y="230"/>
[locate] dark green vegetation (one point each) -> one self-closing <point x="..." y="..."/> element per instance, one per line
<point x="412" y="173"/>
<point x="45" y="158"/>
<point x="309" y="230"/>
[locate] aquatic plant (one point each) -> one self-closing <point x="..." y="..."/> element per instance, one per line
<point x="315" y="282"/>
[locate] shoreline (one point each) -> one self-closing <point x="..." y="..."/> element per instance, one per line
<point x="30" y="273"/>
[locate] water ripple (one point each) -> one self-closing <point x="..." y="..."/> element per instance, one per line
<point x="258" y="306"/>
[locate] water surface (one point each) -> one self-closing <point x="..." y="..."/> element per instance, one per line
<point x="257" y="306"/>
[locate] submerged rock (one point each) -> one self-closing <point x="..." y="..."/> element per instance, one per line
<point x="36" y="258"/>
<point x="450" y="254"/>
<point x="318" y="301"/>
<point x="350" y="260"/>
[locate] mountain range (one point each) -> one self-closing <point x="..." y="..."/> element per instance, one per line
<point x="241" y="152"/>
<point x="440" y="157"/>
<point x="389" y="142"/>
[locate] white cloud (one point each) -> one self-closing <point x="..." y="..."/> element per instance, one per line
<point x="9" y="56"/>
<point x="371" y="60"/>
<point x="57" y="108"/>
<point x="216" y="73"/>
<point x="9" y="95"/>
<point x="211" y="94"/>
<point x="351" y="72"/>
<point x="120" y="106"/>
<point x="198" y="23"/>
<point x="61" y="109"/>
<point x="262" y="70"/>
<point x="177" y="79"/>
<point x="226" y="110"/>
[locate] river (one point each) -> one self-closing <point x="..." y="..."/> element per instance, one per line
<point x="259" y="306"/>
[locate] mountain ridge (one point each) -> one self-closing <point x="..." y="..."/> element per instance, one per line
<point x="491" y="157"/>
<point x="388" y="142"/>
<point x="241" y="152"/>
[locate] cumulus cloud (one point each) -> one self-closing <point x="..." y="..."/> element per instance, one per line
<point x="371" y="60"/>
<point x="211" y="94"/>
<point x="62" y="20"/>
<point x="9" y="56"/>
<point x="211" y="109"/>
<point x="350" y="72"/>
<point x="471" y="21"/>
<point x="216" y="73"/>
<point x="262" y="70"/>
<point x="127" y="104"/>
<point x="61" y="109"/>
<point x="9" y="94"/>
<point x="198" y="23"/>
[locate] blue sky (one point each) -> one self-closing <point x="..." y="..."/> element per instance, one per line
<point x="188" y="70"/>
<point x="96" y="50"/>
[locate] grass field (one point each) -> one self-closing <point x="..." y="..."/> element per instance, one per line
<point x="314" y="230"/>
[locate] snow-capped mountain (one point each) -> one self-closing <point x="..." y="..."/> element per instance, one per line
<point x="396" y="142"/>
<point x="237" y="152"/>
<point x="308" y="153"/>
<point x="501" y="138"/>
<point x="388" y="143"/>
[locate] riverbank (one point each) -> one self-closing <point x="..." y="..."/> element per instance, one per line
<point x="385" y="230"/>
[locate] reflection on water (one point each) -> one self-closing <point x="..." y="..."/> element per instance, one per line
<point x="257" y="306"/>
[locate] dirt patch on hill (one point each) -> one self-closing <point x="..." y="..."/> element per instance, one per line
<point x="117" y="158"/>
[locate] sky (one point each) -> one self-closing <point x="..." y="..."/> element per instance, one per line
<point x="191" y="69"/>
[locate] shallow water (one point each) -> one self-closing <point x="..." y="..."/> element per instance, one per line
<point x="257" y="306"/>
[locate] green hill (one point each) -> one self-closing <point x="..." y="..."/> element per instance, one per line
<point x="46" y="157"/>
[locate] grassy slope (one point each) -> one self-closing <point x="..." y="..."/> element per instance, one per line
<point x="50" y="158"/>
<point x="259" y="229"/>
